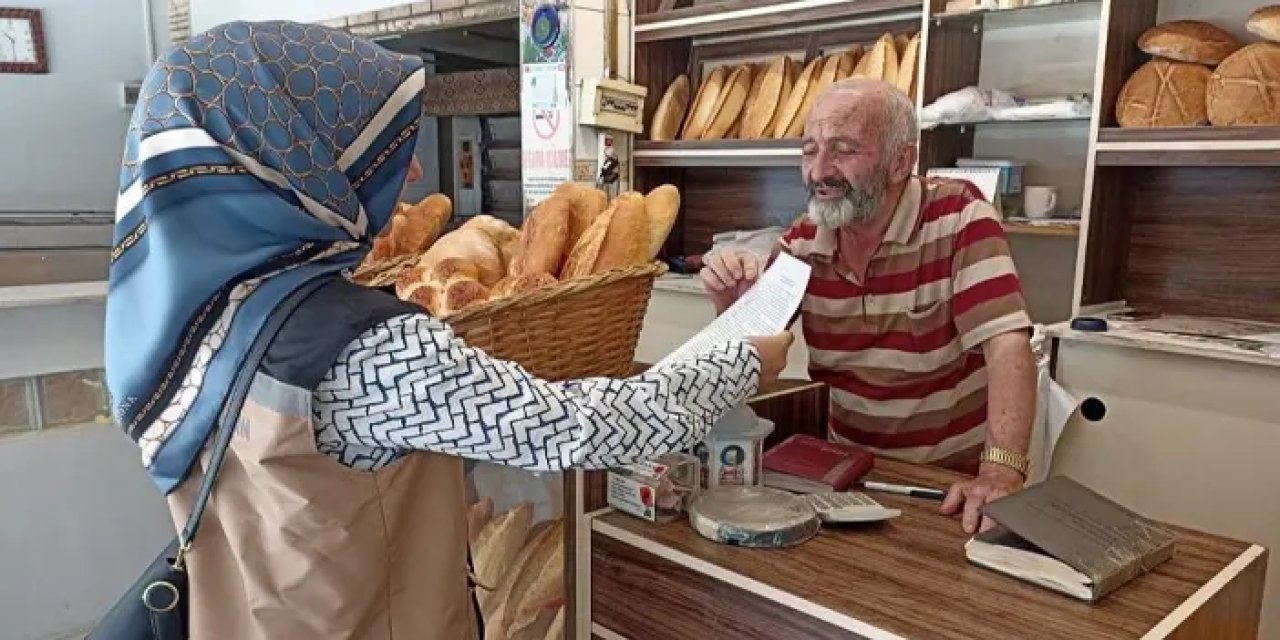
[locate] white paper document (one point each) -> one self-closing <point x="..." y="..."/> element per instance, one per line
<point x="764" y="310"/>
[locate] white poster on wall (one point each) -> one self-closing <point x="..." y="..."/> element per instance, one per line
<point x="546" y="127"/>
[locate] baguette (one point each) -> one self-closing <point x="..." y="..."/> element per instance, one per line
<point x="661" y="207"/>
<point x="494" y="606"/>
<point x="762" y="104"/>
<point x="851" y="59"/>
<point x="587" y="202"/>
<point x="540" y="584"/>
<point x="556" y="630"/>
<point x="497" y="547"/>
<point x="478" y="516"/>
<point x="671" y="110"/>
<point x="627" y="241"/>
<point x="542" y="240"/>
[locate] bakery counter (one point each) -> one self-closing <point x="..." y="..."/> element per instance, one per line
<point x="905" y="578"/>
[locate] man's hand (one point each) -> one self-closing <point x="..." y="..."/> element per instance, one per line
<point x="728" y="274"/>
<point x="773" y="355"/>
<point x="967" y="497"/>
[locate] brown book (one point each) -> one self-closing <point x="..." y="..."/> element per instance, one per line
<point x="1064" y="536"/>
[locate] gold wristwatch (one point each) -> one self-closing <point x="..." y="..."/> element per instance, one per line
<point x="1006" y="458"/>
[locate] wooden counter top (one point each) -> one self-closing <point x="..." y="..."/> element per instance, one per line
<point x="906" y="578"/>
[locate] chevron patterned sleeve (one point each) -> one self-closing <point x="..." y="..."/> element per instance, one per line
<point x="409" y="384"/>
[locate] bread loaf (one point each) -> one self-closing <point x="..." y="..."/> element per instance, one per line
<point x="516" y="285"/>
<point x="851" y="59"/>
<point x="900" y="41"/>
<point x="1188" y="41"/>
<point x="543" y="237"/>
<point x="704" y="105"/>
<point x="908" y="65"/>
<point x="447" y="287"/>
<point x="627" y="242"/>
<point x="540" y="584"/>
<point x="661" y="207"/>
<point x="767" y="87"/>
<point x="498" y="230"/>
<point x="494" y="604"/>
<point x="1245" y="88"/>
<point x="556" y="630"/>
<point x="478" y="516"/>
<point x="789" y="73"/>
<point x="815" y="88"/>
<point x="587" y="202"/>
<point x="497" y="547"/>
<point x="1265" y="23"/>
<point x="671" y="110"/>
<point x="729" y="105"/>
<point x="1164" y="93"/>
<point x="582" y="257"/>
<point x="791" y="122"/>
<point x="413" y="228"/>
<point x="471" y="244"/>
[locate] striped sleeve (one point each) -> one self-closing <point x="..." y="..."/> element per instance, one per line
<point x="987" y="294"/>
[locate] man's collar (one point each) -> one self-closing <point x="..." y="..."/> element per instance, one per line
<point x="906" y="217"/>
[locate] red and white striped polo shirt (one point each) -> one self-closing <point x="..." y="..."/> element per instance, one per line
<point x="902" y="351"/>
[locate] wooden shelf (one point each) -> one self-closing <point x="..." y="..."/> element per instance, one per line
<point x="1062" y="229"/>
<point x="730" y="16"/>
<point x="1189" y="146"/>
<point x="717" y="153"/>
<point x="1029" y="11"/>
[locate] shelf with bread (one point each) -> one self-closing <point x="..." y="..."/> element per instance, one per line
<point x="1181" y="220"/>
<point x="735" y="16"/>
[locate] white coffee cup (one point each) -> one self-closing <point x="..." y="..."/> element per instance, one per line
<point x="1039" y="202"/>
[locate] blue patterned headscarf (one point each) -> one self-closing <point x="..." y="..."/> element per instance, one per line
<point x="260" y="156"/>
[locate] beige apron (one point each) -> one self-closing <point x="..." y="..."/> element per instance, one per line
<point x="296" y="545"/>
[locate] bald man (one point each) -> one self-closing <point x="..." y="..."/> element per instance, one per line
<point x="914" y="314"/>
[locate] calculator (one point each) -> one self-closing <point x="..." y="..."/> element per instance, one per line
<point x="845" y="506"/>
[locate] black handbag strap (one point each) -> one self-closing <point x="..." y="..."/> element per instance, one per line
<point x="230" y="413"/>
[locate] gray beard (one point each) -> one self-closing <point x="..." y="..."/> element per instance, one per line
<point x="856" y="205"/>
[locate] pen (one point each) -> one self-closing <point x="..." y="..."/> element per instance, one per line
<point x="906" y="490"/>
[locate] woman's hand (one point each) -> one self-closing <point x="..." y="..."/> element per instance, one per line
<point x="773" y="355"/>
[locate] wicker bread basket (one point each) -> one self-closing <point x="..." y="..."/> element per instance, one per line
<point x="580" y="328"/>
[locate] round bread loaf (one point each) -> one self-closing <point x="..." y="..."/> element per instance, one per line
<point x="790" y="108"/>
<point x="1265" y="22"/>
<point x="1164" y="93"/>
<point x="704" y="105"/>
<point x="1189" y="41"/>
<point x="733" y="98"/>
<point x="1245" y="89"/>
<point x="674" y="104"/>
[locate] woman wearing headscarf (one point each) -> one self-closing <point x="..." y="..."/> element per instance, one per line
<point x="260" y="161"/>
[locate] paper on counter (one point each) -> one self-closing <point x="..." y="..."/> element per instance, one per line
<point x="764" y="310"/>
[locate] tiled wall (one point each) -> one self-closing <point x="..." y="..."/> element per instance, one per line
<point x="50" y="401"/>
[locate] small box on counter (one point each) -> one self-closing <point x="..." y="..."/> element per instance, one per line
<point x="659" y="490"/>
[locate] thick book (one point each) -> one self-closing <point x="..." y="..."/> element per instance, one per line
<point x="805" y="464"/>
<point x="1064" y="536"/>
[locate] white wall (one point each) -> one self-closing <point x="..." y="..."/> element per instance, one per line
<point x="81" y="521"/>
<point x="62" y="132"/>
<point x="211" y="13"/>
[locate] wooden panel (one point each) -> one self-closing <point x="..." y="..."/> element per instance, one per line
<point x="718" y="200"/>
<point x="1107" y="248"/>
<point x="909" y="576"/>
<point x="1189" y="146"/>
<point x="1233" y="613"/>
<point x="1206" y="241"/>
<point x="657" y="64"/>
<point x="794" y="407"/>
<point x="642" y="596"/>
<point x="1128" y="19"/>
<point x="951" y="62"/>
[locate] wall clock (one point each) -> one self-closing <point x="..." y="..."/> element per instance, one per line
<point x="22" y="42"/>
